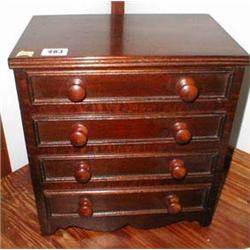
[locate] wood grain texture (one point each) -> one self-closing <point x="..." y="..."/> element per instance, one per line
<point x="4" y="156"/>
<point x="54" y="87"/>
<point x="230" y="227"/>
<point x="104" y="168"/>
<point x="119" y="129"/>
<point x="140" y="39"/>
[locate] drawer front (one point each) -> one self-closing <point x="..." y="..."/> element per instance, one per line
<point x="127" y="201"/>
<point x="70" y="87"/>
<point x="115" y="167"/>
<point x="105" y="129"/>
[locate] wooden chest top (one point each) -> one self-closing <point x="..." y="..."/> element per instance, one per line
<point x="154" y="39"/>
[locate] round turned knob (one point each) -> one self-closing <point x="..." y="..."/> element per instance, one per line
<point x="187" y="89"/>
<point x="82" y="172"/>
<point x="181" y="133"/>
<point x="173" y="204"/>
<point x="79" y="137"/>
<point x="76" y="93"/>
<point x="177" y="169"/>
<point x="85" y="207"/>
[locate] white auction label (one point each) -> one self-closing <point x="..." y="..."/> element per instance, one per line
<point x="54" y="52"/>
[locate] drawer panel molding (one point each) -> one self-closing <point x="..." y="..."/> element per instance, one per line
<point x="122" y="167"/>
<point x="137" y="200"/>
<point x="76" y="87"/>
<point x="104" y="129"/>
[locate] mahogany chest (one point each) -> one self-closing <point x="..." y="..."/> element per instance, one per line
<point x="127" y="118"/>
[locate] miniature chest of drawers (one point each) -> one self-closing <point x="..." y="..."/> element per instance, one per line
<point x="127" y="118"/>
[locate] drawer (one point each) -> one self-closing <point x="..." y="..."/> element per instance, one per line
<point x="122" y="201"/>
<point x="114" y="85"/>
<point x="79" y="130"/>
<point x="122" y="167"/>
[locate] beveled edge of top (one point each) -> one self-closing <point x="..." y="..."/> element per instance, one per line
<point x="126" y="61"/>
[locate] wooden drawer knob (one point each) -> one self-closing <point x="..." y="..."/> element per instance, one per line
<point x="187" y="89"/>
<point x="76" y="93"/>
<point x="79" y="135"/>
<point x="177" y="169"/>
<point x="181" y="133"/>
<point x="173" y="204"/>
<point x="85" y="207"/>
<point x="82" y="172"/>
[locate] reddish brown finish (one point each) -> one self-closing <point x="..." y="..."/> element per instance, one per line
<point x="177" y="169"/>
<point x="79" y="135"/>
<point x="107" y="168"/>
<point x="187" y="89"/>
<point x="82" y="172"/>
<point x="89" y="42"/>
<point x="173" y="204"/>
<point x="5" y="161"/>
<point x="133" y="121"/>
<point x="124" y="128"/>
<point x="103" y="86"/>
<point x="232" y="212"/>
<point x="182" y="133"/>
<point x="85" y="207"/>
<point x="126" y="201"/>
<point x="76" y="92"/>
<point x="117" y="7"/>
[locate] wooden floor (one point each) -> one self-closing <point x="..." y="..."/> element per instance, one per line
<point x="229" y="229"/>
